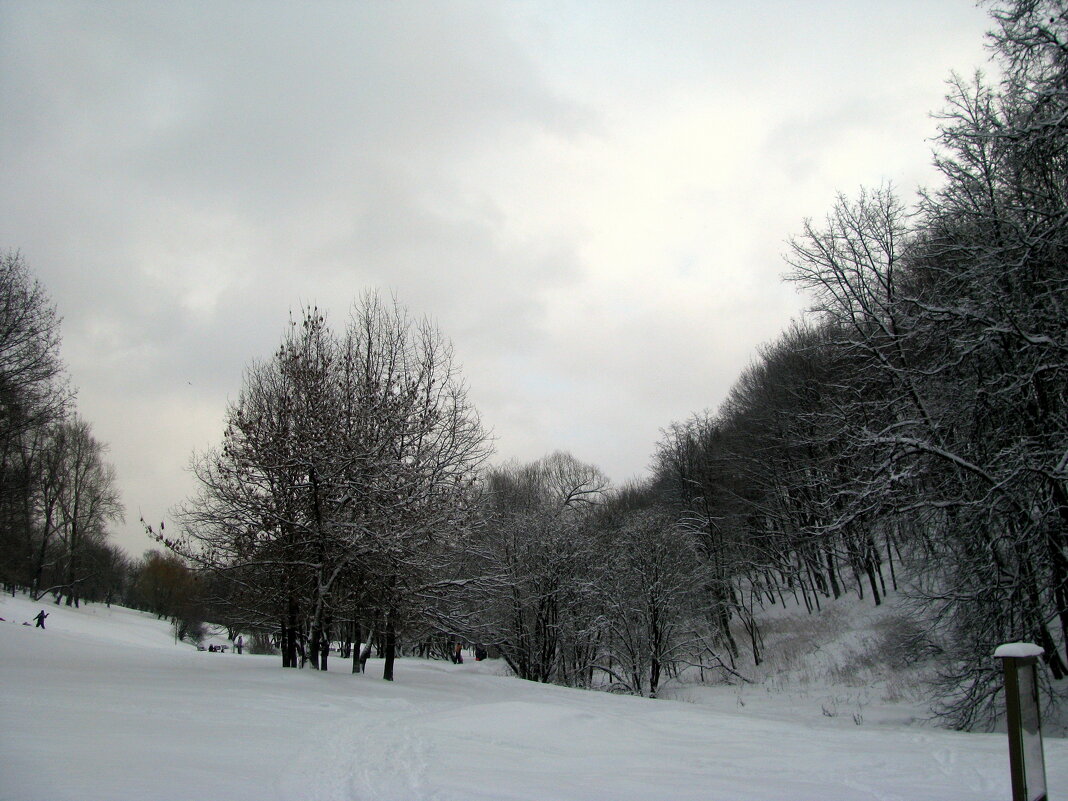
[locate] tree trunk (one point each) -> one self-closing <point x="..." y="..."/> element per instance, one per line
<point x="835" y="589"/>
<point x="869" y="568"/>
<point x="289" y="635"/>
<point x="357" y="646"/>
<point x="285" y="644"/>
<point x="390" y="643"/>
<point x="890" y="562"/>
<point x="324" y="641"/>
<point x="313" y="646"/>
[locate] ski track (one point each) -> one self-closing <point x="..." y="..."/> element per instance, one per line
<point x="347" y="760"/>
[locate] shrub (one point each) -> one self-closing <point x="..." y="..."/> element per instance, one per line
<point x="261" y="644"/>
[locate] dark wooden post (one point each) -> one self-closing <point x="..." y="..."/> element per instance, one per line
<point x="1026" y="760"/>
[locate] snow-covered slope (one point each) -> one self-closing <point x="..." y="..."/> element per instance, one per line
<point x="849" y="663"/>
<point x="103" y="705"/>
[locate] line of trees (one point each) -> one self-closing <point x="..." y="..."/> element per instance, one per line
<point x="348" y="503"/>
<point x="921" y="413"/>
<point x="575" y="583"/>
<point x="58" y="494"/>
<point x="914" y="426"/>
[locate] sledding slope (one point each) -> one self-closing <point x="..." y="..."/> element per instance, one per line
<point x="103" y="705"/>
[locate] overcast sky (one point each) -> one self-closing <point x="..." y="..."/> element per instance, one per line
<point x="590" y="199"/>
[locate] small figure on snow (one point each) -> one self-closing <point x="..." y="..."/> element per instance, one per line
<point x="480" y="653"/>
<point x="365" y="653"/>
<point x="457" y="654"/>
<point x="239" y="644"/>
<point x="40" y="618"/>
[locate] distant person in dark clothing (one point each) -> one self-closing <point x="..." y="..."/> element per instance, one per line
<point x="239" y="644"/>
<point x="40" y="618"/>
<point x="457" y="654"/>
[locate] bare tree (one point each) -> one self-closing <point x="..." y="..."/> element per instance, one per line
<point x="346" y="460"/>
<point x="88" y="500"/>
<point x="535" y="557"/>
<point x="33" y="391"/>
<point x="33" y="395"/>
<point x="652" y="598"/>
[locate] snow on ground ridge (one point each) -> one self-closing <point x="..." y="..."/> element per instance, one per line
<point x="104" y="705"/>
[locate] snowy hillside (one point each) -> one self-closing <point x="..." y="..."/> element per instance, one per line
<point x="848" y="662"/>
<point x="852" y="662"/>
<point x="104" y="705"/>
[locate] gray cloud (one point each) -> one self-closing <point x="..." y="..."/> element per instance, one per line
<point x="589" y="199"/>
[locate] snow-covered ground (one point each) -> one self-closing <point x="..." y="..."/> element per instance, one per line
<point x="104" y="705"/>
<point x="849" y="663"/>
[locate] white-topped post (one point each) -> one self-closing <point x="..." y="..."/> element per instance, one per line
<point x="1026" y="760"/>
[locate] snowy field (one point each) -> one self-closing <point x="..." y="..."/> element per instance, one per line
<point x="104" y="705"/>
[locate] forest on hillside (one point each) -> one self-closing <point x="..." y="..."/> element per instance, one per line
<point x="909" y="434"/>
<point x="58" y="493"/>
